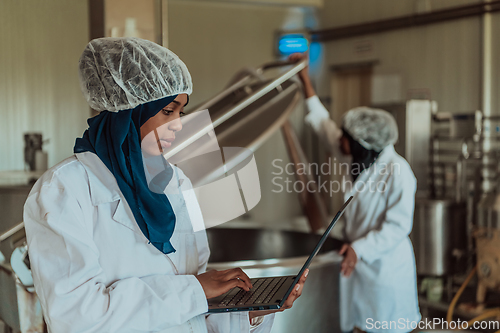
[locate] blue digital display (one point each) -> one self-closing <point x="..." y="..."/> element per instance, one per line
<point x="289" y="44"/>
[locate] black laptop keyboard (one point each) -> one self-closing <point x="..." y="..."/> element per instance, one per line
<point x="262" y="292"/>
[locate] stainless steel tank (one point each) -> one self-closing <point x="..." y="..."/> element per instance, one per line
<point x="439" y="236"/>
<point x="263" y="253"/>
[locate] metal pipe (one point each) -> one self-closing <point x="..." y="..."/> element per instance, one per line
<point x="404" y="22"/>
<point x="262" y="91"/>
<point x="11" y="231"/>
<point x="459" y="179"/>
<point x="6" y="268"/>
<point x="469" y="222"/>
<point x="487" y="39"/>
<point x="487" y="61"/>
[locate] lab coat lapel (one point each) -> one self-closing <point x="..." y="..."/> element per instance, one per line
<point x="124" y="216"/>
<point x="104" y="190"/>
<point x="103" y="186"/>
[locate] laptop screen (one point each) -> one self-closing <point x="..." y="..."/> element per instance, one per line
<point x="317" y="248"/>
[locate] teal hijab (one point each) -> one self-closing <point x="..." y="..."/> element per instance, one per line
<point x="115" y="137"/>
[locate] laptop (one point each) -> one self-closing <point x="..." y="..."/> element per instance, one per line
<point x="267" y="293"/>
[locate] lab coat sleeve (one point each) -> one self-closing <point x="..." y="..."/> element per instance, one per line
<point x="237" y="322"/>
<point x="319" y="118"/>
<point x="69" y="280"/>
<point x="398" y="220"/>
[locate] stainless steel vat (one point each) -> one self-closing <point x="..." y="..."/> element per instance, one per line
<point x="245" y="114"/>
<point x="439" y="237"/>
<point x="262" y="253"/>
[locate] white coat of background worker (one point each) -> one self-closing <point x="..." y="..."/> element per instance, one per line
<point x="107" y="253"/>
<point x="378" y="286"/>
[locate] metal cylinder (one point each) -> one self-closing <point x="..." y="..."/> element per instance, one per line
<point x="439" y="236"/>
<point x="266" y="253"/>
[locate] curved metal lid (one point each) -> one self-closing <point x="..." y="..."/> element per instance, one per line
<point x="245" y="114"/>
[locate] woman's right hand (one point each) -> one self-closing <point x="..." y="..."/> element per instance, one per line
<point x="303" y="74"/>
<point x="296" y="57"/>
<point x="216" y="283"/>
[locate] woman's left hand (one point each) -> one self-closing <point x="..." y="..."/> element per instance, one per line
<point x="350" y="259"/>
<point x="297" y="291"/>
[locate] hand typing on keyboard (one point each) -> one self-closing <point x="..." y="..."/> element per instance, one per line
<point x="216" y="283"/>
<point x="262" y="292"/>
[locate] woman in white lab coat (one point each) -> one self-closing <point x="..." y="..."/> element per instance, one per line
<point x="107" y="253"/>
<point x="378" y="289"/>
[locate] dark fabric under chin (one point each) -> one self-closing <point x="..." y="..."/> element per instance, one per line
<point x="362" y="158"/>
<point x="115" y="137"/>
<point x="162" y="170"/>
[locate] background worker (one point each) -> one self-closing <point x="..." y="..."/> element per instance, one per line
<point x="378" y="281"/>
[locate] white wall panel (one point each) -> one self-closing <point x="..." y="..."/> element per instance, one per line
<point x="443" y="59"/>
<point x="40" y="43"/>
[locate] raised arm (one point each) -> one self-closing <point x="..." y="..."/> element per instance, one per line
<point x="318" y="116"/>
<point x="304" y="76"/>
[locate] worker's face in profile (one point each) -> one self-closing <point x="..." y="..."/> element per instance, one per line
<point x="158" y="132"/>
<point x="345" y="148"/>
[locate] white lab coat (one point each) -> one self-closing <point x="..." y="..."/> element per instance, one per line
<point x="94" y="270"/>
<point x="383" y="285"/>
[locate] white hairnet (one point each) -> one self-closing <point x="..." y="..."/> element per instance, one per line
<point x="374" y="129"/>
<point x="121" y="73"/>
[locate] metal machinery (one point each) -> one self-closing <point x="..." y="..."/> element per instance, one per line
<point x="487" y="235"/>
<point x="19" y="306"/>
<point x="465" y="173"/>
<point x="438" y="229"/>
<point x="486" y="226"/>
<point x="255" y="104"/>
<point x="455" y="160"/>
<point x="438" y="234"/>
<point x="475" y="186"/>
<point x="442" y="227"/>
<point x="456" y="222"/>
